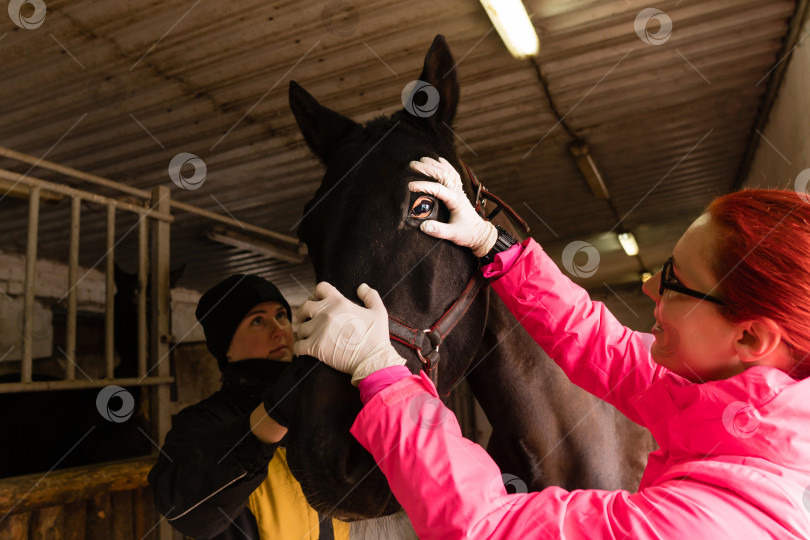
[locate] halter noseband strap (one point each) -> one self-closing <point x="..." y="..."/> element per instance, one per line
<point x="426" y="342"/>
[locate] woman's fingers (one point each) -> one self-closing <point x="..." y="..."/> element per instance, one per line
<point x="450" y="198"/>
<point x="437" y="229"/>
<point x="440" y="170"/>
<point x="324" y="289"/>
<point x="302" y="347"/>
<point x="306" y="329"/>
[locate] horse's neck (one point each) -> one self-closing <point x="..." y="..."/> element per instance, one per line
<point x="546" y="430"/>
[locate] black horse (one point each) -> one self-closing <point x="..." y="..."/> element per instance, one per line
<point x="363" y="226"/>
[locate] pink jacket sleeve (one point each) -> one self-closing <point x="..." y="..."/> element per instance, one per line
<point x="594" y="349"/>
<point x="451" y="489"/>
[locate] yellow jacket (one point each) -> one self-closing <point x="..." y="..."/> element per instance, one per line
<point x="280" y="509"/>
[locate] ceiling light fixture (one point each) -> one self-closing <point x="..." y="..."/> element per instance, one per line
<point x="629" y="244"/>
<point x="589" y="170"/>
<point x="514" y="26"/>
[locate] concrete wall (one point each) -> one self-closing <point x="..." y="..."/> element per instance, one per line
<point x="784" y="152"/>
<point x="51" y="285"/>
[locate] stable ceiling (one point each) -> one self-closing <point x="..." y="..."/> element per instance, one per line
<point x="118" y="89"/>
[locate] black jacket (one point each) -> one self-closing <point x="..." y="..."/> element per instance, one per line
<point x="211" y="462"/>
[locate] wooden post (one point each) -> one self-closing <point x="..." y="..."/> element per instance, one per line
<point x="109" y="319"/>
<point x="73" y="270"/>
<point x="30" y="285"/>
<point x="159" y="335"/>
<point x="143" y="276"/>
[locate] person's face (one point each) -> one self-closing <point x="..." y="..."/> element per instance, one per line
<point x="265" y="332"/>
<point x="692" y="338"/>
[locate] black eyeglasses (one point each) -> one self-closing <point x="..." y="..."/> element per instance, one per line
<point x="669" y="281"/>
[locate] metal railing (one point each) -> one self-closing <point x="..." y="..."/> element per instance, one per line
<point x="154" y="213"/>
<point x="145" y="215"/>
<point x="154" y="220"/>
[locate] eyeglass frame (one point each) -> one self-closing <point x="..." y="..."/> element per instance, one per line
<point x="666" y="283"/>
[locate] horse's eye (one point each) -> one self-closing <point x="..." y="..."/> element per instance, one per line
<point x="422" y="207"/>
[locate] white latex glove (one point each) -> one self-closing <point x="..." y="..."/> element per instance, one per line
<point x="350" y="338"/>
<point x="466" y="228"/>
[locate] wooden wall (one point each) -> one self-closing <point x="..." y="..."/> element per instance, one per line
<point x="100" y="502"/>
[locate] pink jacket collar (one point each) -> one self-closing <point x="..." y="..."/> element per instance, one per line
<point x="761" y="412"/>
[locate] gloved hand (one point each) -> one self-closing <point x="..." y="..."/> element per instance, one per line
<point x="466" y="228"/>
<point x="350" y="338"/>
<point x="281" y="399"/>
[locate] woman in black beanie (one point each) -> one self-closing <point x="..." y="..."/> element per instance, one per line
<point x="222" y="472"/>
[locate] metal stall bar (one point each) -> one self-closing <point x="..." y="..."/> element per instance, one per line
<point x="38" y="386"/>
<point x="109" y="317"/>
<point x="143" y="259"/>
<point x="73" y="173"/>
<point x="143" y="194"/>
<point x="30" y="284"/>
<point x="32" y="182"/>
<point x="159" y="333"/>
<point x="73" y="270"/>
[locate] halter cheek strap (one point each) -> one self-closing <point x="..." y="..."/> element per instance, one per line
<point x="426" y="342"/>
<point x="482" y="195"/>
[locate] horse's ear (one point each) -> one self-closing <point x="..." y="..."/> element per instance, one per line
<point x="323" y="128"/>
<point x="440" y="72"/>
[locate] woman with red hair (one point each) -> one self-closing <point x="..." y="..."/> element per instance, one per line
<point x="721" y="381"/>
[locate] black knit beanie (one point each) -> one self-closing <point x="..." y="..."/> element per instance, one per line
<point x="223" y="306"/>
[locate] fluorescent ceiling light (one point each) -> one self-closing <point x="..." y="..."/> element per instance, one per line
<point x="589" y="170"/>
<point x="514" y="26"/>
<point x="628" y="242"/>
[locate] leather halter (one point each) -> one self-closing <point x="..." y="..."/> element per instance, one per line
<point x="482" y="195"/>
<point x="426" y="342"/>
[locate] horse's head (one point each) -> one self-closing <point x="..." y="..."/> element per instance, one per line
<point x="363" y="226"/>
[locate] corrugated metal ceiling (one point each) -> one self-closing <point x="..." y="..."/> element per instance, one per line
<point x="118" y="89"/>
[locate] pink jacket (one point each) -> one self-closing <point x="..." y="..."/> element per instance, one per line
<point x="734" y="460"/>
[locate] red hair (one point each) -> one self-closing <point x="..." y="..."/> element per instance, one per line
<point x="762" y="259"/>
